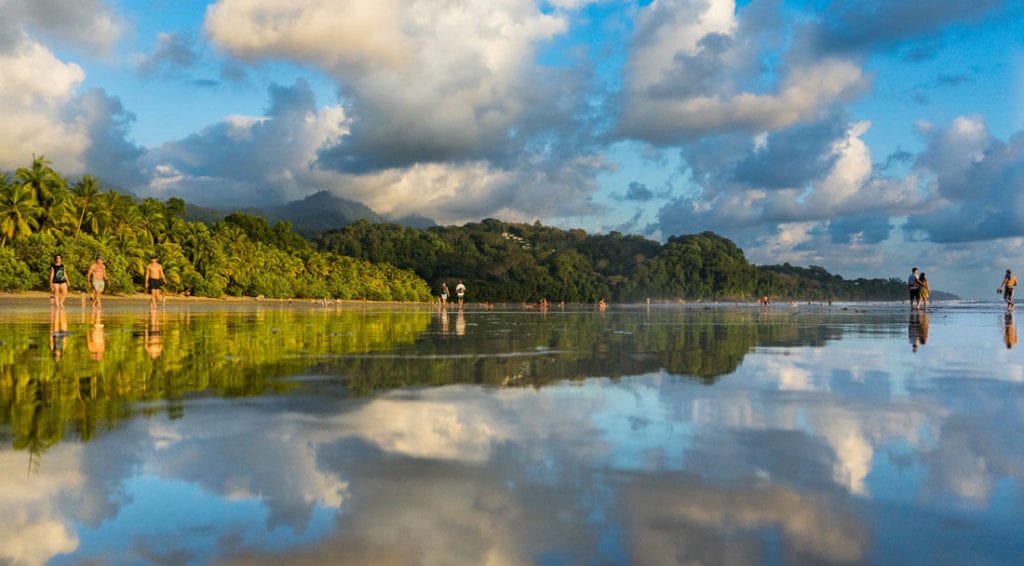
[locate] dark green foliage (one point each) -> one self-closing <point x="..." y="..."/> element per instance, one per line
<point x="507" y="262"/>
<point x="241" y="254"/>
<point x="244" y="254"/>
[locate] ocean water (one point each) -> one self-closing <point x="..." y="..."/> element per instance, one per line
<point x="248" y="433"/>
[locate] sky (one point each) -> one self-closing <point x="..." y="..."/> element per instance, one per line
<point x="863" y="137"/>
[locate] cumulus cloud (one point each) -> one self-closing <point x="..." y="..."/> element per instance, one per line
<point x="978" y="183"/>
<point x="267" y="159"/>
<point x="173" y="53"/>
<point x="33" y="95"/>
<point x="256" y="160"/>
<point x="694" y="70"/>
<point x="435" y="82"/>
<point x="811" y="173"/>
<point x="86" y="24"/>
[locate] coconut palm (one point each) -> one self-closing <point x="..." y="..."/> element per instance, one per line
<point x="18" y="211"/>
<point x="85" y="191"/>
<point x="48" y="188"/>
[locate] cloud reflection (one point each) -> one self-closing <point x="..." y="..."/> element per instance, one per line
<point x="799" y="454"/>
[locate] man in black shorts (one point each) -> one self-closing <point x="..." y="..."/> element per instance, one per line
<point x="914" y="288"/>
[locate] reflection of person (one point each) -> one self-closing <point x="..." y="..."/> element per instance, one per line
<point x="460" y="324"/>
<point x="58" y="330"/>
<point x="923" y="291"/>
<point x="916" y="332"/>
<point x="58" y="281"/>
<point x="1006" y="288"/>
<point x="154" y="342"/>
<point x="460" y="292"/>
<point x="914" y="288"/>
<point x="1009" y="331"/>
<point x="97" y="278"/>
<point x="444" y="294"/>
<point x="155" y="279"/>
<point x="444" y="321"/>
<point x="95" y="339"/>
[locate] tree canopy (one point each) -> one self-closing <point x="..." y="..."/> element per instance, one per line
<point x="42" y="214"/>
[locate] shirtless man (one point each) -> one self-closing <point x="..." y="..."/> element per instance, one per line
<point x="97" y="277"/>
<point x="155" y="279"/>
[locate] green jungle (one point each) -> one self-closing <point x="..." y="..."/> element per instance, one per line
<point x="43" y="213"/>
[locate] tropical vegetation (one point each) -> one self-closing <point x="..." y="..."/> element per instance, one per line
<point x="43" y="214"/>
<point x="511" y="262"/>
<point x="241" y="254"/>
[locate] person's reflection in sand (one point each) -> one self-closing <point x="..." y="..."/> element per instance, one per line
<point x="58" y="330"/>
<point x="95" y="340"/>
<point x="914" y="330"/>
<point x="460" y="324"/>
<point x="1009" y="331"/>
<point x="444" y="321"/>
<point x="154" y="342"/>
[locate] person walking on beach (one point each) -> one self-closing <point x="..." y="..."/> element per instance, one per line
<point x="460" y="292"/>
<point x="914" y="288"/>
<point x="1006" y="288"/>
<point x="924" y="291"/>
<point x="97" y="278"/>
<point x="444" y="295"/>
<point x="155" y="279"/>
<point x="58" y="281"/>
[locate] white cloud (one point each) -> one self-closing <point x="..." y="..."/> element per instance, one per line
<point x="33" y="95"/>
<point x="687" y="67"/>
<point x="434" y="82"/>
<point x="34" y="528"/>
<point x="88" y="24"/>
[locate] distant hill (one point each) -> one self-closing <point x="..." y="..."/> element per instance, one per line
<point x="320" y="212"/>
<point x="310" y="216"/>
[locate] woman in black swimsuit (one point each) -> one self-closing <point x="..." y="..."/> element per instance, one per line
<point x="58" y="281"/>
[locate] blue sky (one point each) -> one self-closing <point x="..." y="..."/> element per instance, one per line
<point x="864" y="137"/>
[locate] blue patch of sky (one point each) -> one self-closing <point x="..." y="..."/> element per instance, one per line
<point x="173" y="106"/>
<point x="969" y="70"/>
<point x="166" y="515"/>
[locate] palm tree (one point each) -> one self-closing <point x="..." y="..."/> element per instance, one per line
<point x="18" y="211"/>
<point x="153" y="219"/>
<point x="47" y="187"/>
<point x="85" y="191"/>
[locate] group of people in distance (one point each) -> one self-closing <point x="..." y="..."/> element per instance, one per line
<point x="97" y="279"/>
<point x="917" y="285"/>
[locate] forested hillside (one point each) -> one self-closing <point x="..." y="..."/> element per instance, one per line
<point x="43" y="214"/>
<point x="501" y="261"/>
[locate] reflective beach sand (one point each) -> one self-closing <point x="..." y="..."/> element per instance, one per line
<point x="248" y="433"/>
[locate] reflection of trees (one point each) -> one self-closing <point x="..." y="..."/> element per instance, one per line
<point x="224" y="353"/>
<point x="245" y="353"/>
<point x="526" y="350"/>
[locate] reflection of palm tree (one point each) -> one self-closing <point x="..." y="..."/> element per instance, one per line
<point x="18" y="211"/>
